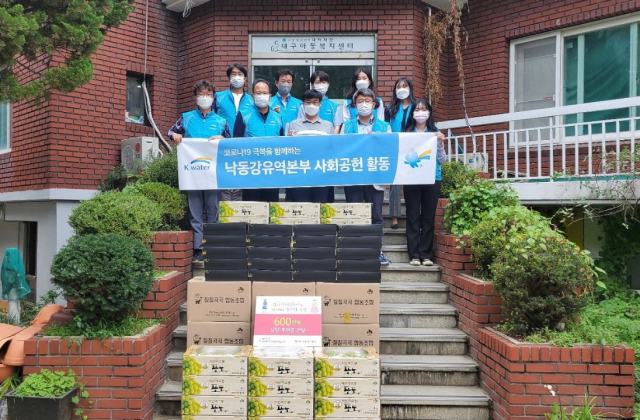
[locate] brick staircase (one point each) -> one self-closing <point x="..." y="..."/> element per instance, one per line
<point x="426" y="370"/>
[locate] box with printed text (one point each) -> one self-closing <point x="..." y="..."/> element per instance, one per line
<point x="295" y="210"/>
<point x="206" y="361"/>
<point x="281" y="362"/>
<point x="347" y="362"/>
<point x="243" y="209"/>
<point x="280" y="289"/>
<point x="352" y="335"/>
<point x="345" y="222"/>
<point x="344" y="303"/>
<point x="271" y="386"/>
<point x="293" y="221"/>
<point x="215" y="385"/>
<point x="345" y="211"/>
<point x="213" y="405"/>
<point x="280" y="406"/>
<point x="347" y="387"/>
<point x="219" y="333"/>
<point x="218" y="301"/>
<point x="347" y="408"/>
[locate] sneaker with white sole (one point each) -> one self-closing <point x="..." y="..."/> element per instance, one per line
<point x="427" y="262"/>
<point x="414" y="262"/>
<point x="384" y="262"/>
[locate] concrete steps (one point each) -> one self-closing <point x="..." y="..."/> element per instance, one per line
<point x="394" y="236"/>
<point x="429" y="370"/>
<point x="404" y="272"/>
<point x="414" y="293"/>
<point x="396" y="253"/>
<point x="426" y="341"/>
<point x="428" y="315"/>
<point x="404" y="402"/>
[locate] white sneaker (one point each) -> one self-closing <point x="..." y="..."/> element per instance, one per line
<point x="427" y="262"/>
<point x="414" y="262"/>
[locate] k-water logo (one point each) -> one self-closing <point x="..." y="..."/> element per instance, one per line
<point x="202" y="163"/>
<point x="412" y="158"/>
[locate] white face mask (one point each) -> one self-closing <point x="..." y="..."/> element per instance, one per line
<point x="362" y="84"/>
<point x="321" y="87"/>
<point x="364" y="109"/>
<point x="261" y="101"/>
<point x="402" y="93"/>
<point x="284" y="88"/>
<point x="311" y="110"/>
<point x="237" y="81"/>
<point x="204" y="102"/>
<point x="421" y="116"/>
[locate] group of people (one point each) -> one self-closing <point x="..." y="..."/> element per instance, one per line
<point x="238" y="113"/>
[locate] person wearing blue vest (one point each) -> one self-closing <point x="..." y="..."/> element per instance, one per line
<point x="422" y="200"/>
<point x="361" y="80"/>
<point x="282" y="102"/>
<point x="328" y="108"/>
<point x="259" y="121"/>
<point x="202" y="122"/>
<point x="397" y="115"/>
<point x="366" y="123"/>
<point x="228" y="103"/>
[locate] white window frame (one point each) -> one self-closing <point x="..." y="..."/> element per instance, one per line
<point x="560" y="36"/>
<point x="8" y="148"/>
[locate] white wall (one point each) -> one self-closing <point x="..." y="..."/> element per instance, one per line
<point x="592" y="234"/>
<point x="9" y="238"/>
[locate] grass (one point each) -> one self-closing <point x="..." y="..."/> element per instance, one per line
<point x="103" y="330"/>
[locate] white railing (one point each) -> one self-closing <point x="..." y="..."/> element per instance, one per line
<point x="543" y="144"/>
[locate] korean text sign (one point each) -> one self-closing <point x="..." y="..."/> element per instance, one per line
<point x="288" y="321"/>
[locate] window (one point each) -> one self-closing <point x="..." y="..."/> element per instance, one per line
<point x="577" y="66"/>
<point x="136" y="108"/>
<point x="5" y="121"/>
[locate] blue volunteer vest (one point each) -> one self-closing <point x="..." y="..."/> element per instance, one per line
<point x="255" y="126"/>
<point x="289" y="112"/>
<point x="197" y="127"/>
<point x="227" y="107"/>
<point x="351" y="126"/>
<point x="396" y="120"/>
<point x="438" y="170"/>
<point x="353" y="111"/>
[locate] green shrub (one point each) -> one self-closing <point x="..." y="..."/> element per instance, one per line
<point x="172" y="202"/>
<point x="163" y="170"/>
<point x="542" y="278"/>
<point x="127" y="214"/>
<point x="106" y="275"/>
<point x="469" y="204"/>
<point x="455" y="175"/>
<point x="499" y="229"/>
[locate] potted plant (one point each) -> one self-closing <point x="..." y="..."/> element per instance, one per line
<point x="46" y="395"/>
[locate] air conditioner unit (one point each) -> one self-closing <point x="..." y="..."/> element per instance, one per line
<point x="137" y="149"/>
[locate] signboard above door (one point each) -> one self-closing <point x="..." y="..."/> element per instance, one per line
<point x="312" y="44"/>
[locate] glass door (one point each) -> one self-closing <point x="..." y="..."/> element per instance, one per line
<point x="267" y="69"/>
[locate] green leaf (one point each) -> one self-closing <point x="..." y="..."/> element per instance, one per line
<point x="75" y="399"/>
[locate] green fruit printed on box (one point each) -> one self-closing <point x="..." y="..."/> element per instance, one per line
<point x="323" y="369"/>
<point x="190" y="387"/>
<point x="323" y="388"/>
<point x="323" y="407"/>
<point x="190" y="406"/>
<point x="256" y="367"/>
<point x="190" y="366"/>
<point x="256" y="407"/>
<point x="257" y="388"/>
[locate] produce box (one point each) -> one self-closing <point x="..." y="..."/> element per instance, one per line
<point x="225" y="301"/>
<point x="213" y="253"/>
<point x="268" y="252"/>
<point x="372" y="264"/>
<point x="280" y="289"/>
<point x="224" y="228"/>
<point x="345" y="211"/>
<point x="274" y="386"/>
<point x="226" y="275"/>
<point x="345" y="222"/>
<point x="295" y="210"/>
<point x="269" y="240"/>
<point x="212" y="405"/>
<point x="360" y="230"/>
<point x="315" y="264"/>
<point x="351" y="335"/>
<point x="303" y="241"/>
<point x="359" y="242"/>
<point x="269" y="264"/>
<point x="357" y="254"/>
<point x="359" y="276"/>
<point x="305" y="276"/>
<point x="270" y="275"/>
<point x="347" y="362"/>
<point x="205" y="361"/>
<point x="218" y="333"/>
<point x="314" y="253"/>
<point x="347" y="387"/>
<point x="281" y="362"/>
<point x="215" y="385"/>
<point x="244" y="219"/>
<point x="294" y="220"/>
<point x="314" y="229"/>
<point x="243" y="209"/>
<point x="281" y="407"/>
<point x="357" y="303"/>
<point x="347" y="408"/>
<point x="225" y="264"/>
<point x="220" y="240"/>
<point x="271" y="230"/>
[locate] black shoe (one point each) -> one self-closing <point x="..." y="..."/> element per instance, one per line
<point x="394" y="226"/>
<point x="197" y="257"/>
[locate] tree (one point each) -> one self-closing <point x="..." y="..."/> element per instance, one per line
<point x="45" y="45"/>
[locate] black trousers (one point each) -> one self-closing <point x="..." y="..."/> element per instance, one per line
<point x="264" y="194"/>
<point x="366" y="194"/>
<point x="309" y="195"/>
<point x="421" y="202"/>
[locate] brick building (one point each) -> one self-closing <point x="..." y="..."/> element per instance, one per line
<point x="522" y="56"/>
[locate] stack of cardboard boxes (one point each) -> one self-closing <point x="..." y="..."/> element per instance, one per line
<point x="345" y="213"/>
<point x="214" y="382"/>
<point x="314" y="253"/>
<point x="347" y="383"/>
<point x="243" y="211"/>
<point x="224" y="251"/>
<point x="294" y="213"/>
<point x="357" y="253"/>
<point x="269" y="252"/>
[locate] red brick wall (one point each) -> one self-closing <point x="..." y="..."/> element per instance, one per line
<point x="74" y="139"/>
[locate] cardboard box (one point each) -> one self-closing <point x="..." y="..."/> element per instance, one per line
<point x="270" y="275"/>
<point x="357" y="253"/>
<point x="226" y="275"/>
<point x="225" y="264"/>
<point x="264" y="252"/>
<point x="215" y="385"/>
<point x="319" y="264"/>
<point x="221" y="253"/>
<point x="340" y="335"/>
<point x="347" y="362"/>
<point x="270" y="229"/>
<point x="244" y="219"/>
<point x="281" y="362"/>
<point x="281" y="407"/>
<point x="347" y="387"/>
<point x="372" y="277"/>
<point x="360" y="230"/>
<point x="269" y="264"/>
<point x="349" y="303"/>
<point x="206" y="361"/>
<point x="225" y="229"/>
<point x="359" y="242"/>
<point x="345" y="222"/>
<point x="278" y="418"/>
<point x="293" y="210"/>
<point x="314" y="276"/>
<point x="274" y="387"/>
<point x="292" y="221"/>
<point x="219" y="333"/>
<point x="225" y="301"/>
<point x="346" y="210"/>
<point x="314" y="253"/>
<point x="350" y="408"/>
<point x="314" y="230"/>
<point x="280" y="289"/>
<point x="212" y="405"/>
<point x="219" y="240"/>
<point x="269" y="241"/>
<point x="300" y="241"/>
<point x="243" y="208"/>
<point x="372" y="264"/>
<point x="200" y="417"/>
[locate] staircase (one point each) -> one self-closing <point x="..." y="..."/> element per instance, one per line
<point x="426" y="371"/>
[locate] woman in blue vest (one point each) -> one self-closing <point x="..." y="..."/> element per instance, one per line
<point x="202" y="122"/>
<point x="397" y="115"/>
<point x="361" y="80"/>
<point x="422" y="200"/>
<point x="366" y="122"/>
<point x="259" y="121"/>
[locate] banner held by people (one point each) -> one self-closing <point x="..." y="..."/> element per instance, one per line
<point x="309" y="161"/>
